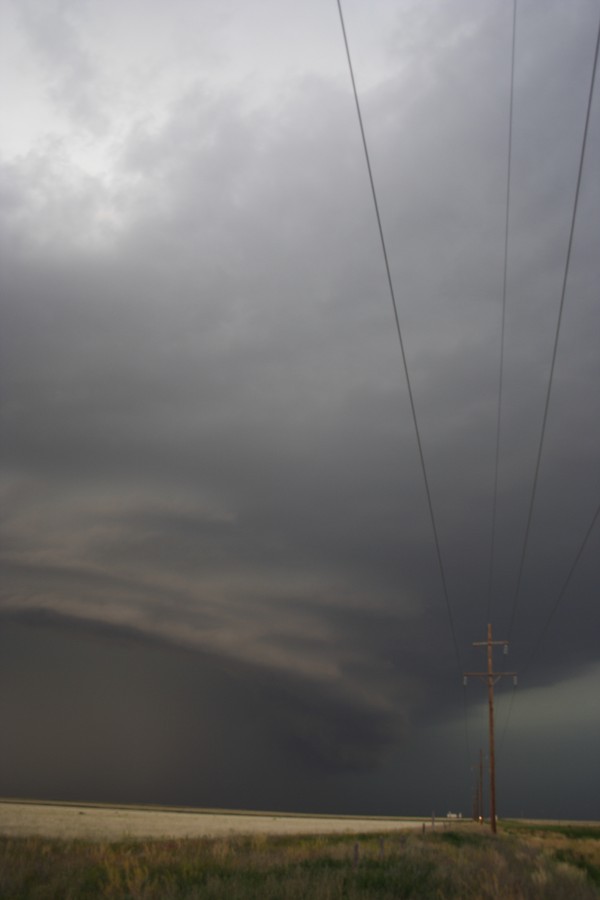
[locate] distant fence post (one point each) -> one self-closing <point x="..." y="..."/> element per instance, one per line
<point x="355" y="861"/>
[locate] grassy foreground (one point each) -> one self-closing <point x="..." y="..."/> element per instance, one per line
<point x="521" y="863"/>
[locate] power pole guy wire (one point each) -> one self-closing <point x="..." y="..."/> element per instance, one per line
<point x="401" y="342"/>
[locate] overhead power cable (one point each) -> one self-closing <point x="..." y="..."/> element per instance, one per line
<point x="563" y="589"/>
<point x="401" y="342"/>
<point x="552" y="613"/>
<point x="508" y="715"/>
<point x="503" y="328"/>
<point x="556" y="336"/>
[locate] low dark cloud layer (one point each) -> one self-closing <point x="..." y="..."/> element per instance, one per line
<point x="219" y="579"/>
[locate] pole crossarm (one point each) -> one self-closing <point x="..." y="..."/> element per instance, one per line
<point x="495" y="675"/>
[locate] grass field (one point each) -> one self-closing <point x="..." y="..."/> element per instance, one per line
<point x="522" y="862"/>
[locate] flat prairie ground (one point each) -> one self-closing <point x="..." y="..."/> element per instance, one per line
<point x="523" y="862"/>
<point x="103" y="822"/>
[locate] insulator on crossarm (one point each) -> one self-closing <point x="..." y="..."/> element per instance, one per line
<point x="506" y="649"/>
<point x="514" y="680"/>
<point x="464" y="680"/>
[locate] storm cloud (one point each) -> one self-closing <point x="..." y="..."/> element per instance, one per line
<point x="214" y="516"/>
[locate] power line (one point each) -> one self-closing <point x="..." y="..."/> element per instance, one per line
<point x="401" y="342"/>
<point x="552" y="612"/>
<point x="503" y="329"/>
<point x="555" y="348"/>
<point x="563" y="589"/>
<point x="508" y="715"/>
<point x="466" y="721"/>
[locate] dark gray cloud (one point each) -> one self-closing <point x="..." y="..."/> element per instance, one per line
<point x="209" y="458"/>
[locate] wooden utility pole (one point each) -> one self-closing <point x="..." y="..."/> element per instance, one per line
<point x="491" y="677"/>
<point x="478" y="794"/>
<point x="480" y="811"/>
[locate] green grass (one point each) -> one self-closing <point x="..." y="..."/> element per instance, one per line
<point x="578" y="859"/>
<point x="574" y="832"/>
<point x="466" y="862"/>
<point x="576" y="845"/>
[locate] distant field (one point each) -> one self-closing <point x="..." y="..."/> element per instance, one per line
<point x="103" y="822"/>
<point x="464" y="862"/>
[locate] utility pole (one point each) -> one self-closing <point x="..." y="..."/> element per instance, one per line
<point x="478" y="793"/>
<point x="480" y="810"/>
<point x="491" y="677"/>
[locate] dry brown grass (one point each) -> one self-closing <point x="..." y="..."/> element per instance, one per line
<point x="465" y="863"/>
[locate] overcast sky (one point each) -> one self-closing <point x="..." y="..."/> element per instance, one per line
<point x="220" y="585"/>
